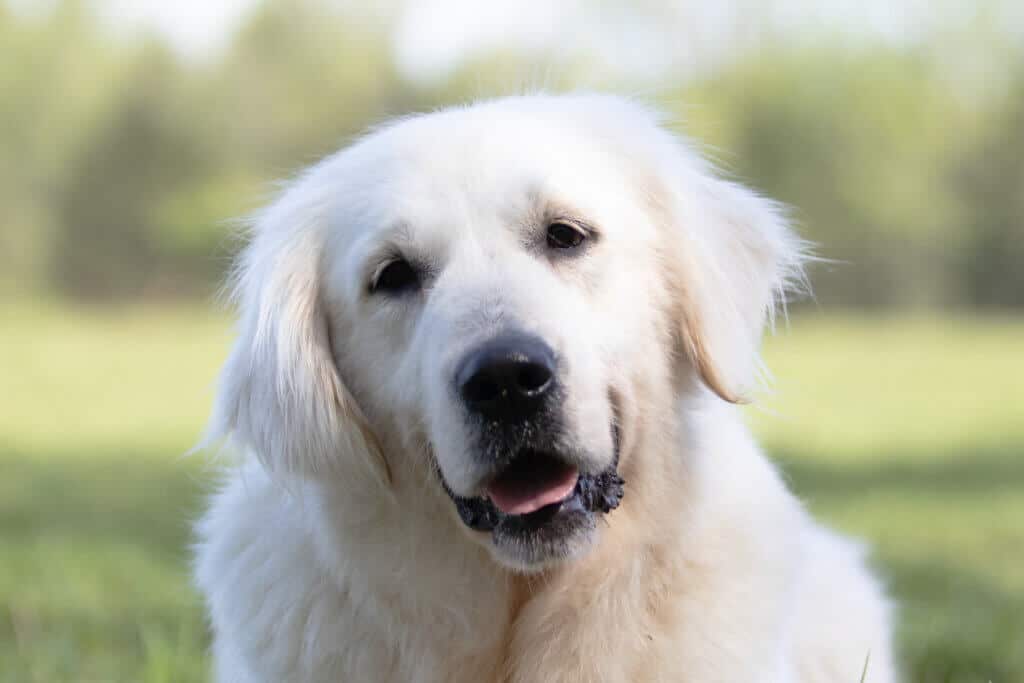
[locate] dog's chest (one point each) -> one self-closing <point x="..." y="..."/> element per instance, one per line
<point x="421" y="611"/>
<point x="430" y="639"/>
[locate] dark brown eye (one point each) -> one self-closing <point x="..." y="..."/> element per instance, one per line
<point x="396" y="277"/>
<point x="565" y="236"/>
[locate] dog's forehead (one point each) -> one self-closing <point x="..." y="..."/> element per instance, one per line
<point x="439" y="185"/>
<point x="469" y="167"/>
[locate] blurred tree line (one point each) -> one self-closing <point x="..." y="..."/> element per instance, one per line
<point x="122" y="164"/>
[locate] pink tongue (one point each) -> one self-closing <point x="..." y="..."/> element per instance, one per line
<point x="520" y="496"/>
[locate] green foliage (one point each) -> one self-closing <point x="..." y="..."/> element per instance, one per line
<point x="904" y="432"/>
<point x="51" y="99"/>
<point x="859" y="144"/>
<point x="145" y="153"/>
<point x="990" y="179"/>
<point x="300" y="80"/>
<point x="123" y="166"/>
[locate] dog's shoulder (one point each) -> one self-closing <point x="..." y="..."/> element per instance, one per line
<point x="259" y="597"/>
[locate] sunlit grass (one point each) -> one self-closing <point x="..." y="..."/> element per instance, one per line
<point x="862" y="387"/>
<point x="138" y="378"/>
<point x="906" y="432"/>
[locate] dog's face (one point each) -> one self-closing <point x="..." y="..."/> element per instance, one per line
<point x="482" y="310"/>
<point x="483" y="292"/>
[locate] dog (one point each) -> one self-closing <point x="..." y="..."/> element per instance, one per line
<point x="484" y="386"/>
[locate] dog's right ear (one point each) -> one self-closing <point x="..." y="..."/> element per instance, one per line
<point x="733" y="260"/>
<point x="280" y="393"/>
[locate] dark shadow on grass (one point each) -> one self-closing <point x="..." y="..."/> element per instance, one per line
<point x="73" y="645"/>
<point x="148" y="500"/>
<point x="981" y="470"/>
<point x="955" y="625"/>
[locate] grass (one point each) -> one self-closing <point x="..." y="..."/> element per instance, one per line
<point x="96" y="498"/>
<point x="908" y="433"/>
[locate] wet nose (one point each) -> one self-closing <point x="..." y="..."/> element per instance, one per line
<point x="507" y="378"/>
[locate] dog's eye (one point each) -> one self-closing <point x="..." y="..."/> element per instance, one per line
<point x="565" y="236"/>
<point x="396" y="277"/>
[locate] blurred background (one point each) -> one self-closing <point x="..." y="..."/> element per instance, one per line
<point x="132" y="132"/>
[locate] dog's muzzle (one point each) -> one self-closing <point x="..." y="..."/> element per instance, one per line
<point x="536" y="493"/>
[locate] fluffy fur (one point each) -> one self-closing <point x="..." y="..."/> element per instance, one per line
<point x="333" y="553"/>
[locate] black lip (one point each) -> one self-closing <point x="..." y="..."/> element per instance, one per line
<point x="594" y="493"/>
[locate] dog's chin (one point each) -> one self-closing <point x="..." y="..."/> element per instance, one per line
<point x="556" y="533"/>
<point x="540" y="510"/>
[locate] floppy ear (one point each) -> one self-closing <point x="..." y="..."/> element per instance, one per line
<point x="734" y="258"/>
<point x="280" y="394"/>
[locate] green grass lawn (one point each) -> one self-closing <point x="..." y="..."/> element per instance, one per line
<point x="908" y="433"/>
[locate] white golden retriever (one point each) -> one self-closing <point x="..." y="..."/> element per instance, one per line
<point x="485" y="376"/>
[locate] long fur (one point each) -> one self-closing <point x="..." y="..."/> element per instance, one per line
<point x="332" y="552"/>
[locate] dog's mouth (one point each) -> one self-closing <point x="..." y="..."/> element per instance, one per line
<point x="537" y="489"/>
<point x="534" y="480"/>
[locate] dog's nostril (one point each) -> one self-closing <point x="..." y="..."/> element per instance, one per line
<point x="481" y="389"/>
<point x="533" y="378"/>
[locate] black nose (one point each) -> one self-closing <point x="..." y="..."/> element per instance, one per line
<point x="507" y="378"/>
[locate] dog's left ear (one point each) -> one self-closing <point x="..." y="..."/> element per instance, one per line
<point x="733" y="259"/>
<point x="281" y="396"/>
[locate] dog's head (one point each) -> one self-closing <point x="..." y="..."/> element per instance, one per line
<point x="472" y="301"/>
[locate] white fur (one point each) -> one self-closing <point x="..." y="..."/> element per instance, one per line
<point x="333" y="554"/>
